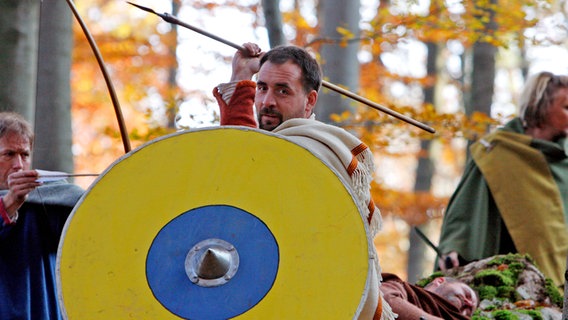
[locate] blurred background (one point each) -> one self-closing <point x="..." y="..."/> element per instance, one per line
<point x="456" y="65"/>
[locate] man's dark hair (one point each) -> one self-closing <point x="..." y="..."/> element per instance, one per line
<point x="311" y="71"/>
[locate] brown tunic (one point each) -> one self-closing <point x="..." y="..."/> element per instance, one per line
<point x="393" y="287"/>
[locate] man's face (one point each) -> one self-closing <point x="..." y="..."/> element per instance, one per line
<point x="460" y="295"/>
<point x="557" y="119"/>
<point x="280" y="95"/>
<point x="14" y="156"/>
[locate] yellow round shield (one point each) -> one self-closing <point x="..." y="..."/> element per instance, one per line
<point x="215" y="223"/>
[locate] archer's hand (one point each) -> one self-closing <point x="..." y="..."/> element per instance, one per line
<point x="20" y="184"/>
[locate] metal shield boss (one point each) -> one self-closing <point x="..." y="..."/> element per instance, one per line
<point x="215" y="223"/>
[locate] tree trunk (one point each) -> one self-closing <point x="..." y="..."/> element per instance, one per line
<point x="19" y="21"/>
<point x="53" y="142"/>
<point x="424" y="173"/>
<point x="273" y="18"/>
<point x="482" y="79"/>
<point x="339" y="63"/>
<point x="482" y="73"/>
<point x="172" y="107"/>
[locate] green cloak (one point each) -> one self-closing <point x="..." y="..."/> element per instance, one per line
<point x="514" y="187"/>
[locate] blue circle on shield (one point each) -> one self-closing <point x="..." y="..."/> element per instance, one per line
<point x="258" y="263"/>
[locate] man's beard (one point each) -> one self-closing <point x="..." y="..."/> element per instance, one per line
<point x="274" y="121"/>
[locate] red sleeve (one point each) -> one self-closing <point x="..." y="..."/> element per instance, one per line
<point x="239" y="111"/>
<point x="4" y="214"/>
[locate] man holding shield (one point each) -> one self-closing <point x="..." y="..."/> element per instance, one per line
<point x="284" y="97"/>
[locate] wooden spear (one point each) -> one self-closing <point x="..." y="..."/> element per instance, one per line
<point x="172" y="19"/>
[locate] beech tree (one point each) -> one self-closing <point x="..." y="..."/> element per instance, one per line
<point x="339" y="57"/>
<point x="53" y="142"/>
<point x="35" y="45"/>
<point x="273" y="22"/>
<point x="19" y="24"/>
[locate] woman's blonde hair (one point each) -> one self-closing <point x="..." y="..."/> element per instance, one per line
<point x="537" y="97"/>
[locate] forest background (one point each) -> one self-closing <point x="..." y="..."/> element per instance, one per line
<point x="456" y="65"/>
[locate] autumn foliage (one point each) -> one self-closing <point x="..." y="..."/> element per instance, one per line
<point x="140" y="52"/>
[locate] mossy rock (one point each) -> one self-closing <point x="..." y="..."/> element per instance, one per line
<point x="510" y="287"/>
<point x="494" y="277"/>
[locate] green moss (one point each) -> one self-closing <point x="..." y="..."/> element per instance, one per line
<point x="486" y="292"/>
<point x="424" y="282"/>
<point x="490" y="308"/>
<point x="509" y="259"/>
<point x="516" y="268"/>
<point x="555" y="295"/>
<point x="513" y="315"/>
<point x="507" y="292"/>
<point x="494" y="278"/>
<point x="504" y="315"/>
<point x="535" y="315"/>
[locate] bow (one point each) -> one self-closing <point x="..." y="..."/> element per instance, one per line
<point x="112" y="91"/>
